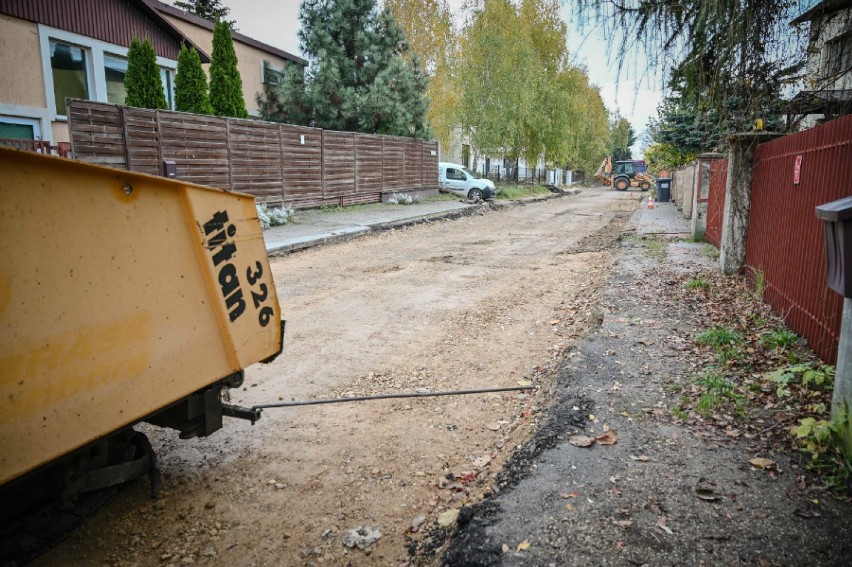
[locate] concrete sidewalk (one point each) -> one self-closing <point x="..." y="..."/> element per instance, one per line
<point x="316" y="226"/>
<point x="663" y="219"/>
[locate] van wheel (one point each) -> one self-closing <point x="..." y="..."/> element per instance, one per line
<point x="474" y="195"/>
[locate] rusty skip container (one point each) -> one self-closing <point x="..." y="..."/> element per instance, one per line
<point x="121" y="294"/>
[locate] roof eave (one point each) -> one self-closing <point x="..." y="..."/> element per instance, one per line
<point x="149" y="9"/>
<point x="208" y="25"/>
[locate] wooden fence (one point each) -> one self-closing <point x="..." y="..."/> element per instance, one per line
<point x="277" y="163"/>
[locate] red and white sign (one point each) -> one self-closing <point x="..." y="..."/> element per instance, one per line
<point x="797" y="170"/>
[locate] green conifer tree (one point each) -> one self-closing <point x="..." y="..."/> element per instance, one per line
<point x="226" y="85"/>
<point x="191" y="83"/>
<point x="359" y="78"/>
<point x="142" y="81"/>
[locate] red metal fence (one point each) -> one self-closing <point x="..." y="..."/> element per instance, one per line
<point x="785" y="240"/>
<point x="716" y="201"/>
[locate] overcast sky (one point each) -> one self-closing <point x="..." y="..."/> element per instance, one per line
<point x="276" y="22"/>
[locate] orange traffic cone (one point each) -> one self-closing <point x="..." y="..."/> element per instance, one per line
<point x="650" y="202"/>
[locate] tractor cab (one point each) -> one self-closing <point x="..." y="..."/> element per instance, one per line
<point x="625" y="168"/>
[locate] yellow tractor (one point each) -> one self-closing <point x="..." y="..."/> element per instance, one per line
<point x="625" y="174"/>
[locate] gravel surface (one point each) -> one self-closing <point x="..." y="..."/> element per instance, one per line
<point x="664" y="493"/>
<point x="495" y="298"/>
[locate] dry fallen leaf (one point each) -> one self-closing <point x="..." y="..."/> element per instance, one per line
<point x="807" y="513"/>
<point x="707" y="494"/>
<point x="493" y="426"/>
<point x="761" y="463"/>
<point x="608" y="438"/>
<point x="568" y="495"/>
<point x="642" y="458"/>
<point x="569" y="507"/>
<point x="505" y="548"/>
<point x="524" y="545"/>
<point x="581" y="441"/>
<point x="623" y="523"/>
<point x="525" y="383"/>
<point x="661" y="523"/>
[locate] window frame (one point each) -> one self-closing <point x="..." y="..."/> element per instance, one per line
<point x="95" y="73"/>
<point x="24" y="121"/>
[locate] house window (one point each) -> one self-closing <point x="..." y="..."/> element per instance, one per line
<point x="19" y="128"/>
<point x="115" y="69"/>
<point x="70" y="76"/>
<point x="838" y="56"/>
<point x="168" y="86"/>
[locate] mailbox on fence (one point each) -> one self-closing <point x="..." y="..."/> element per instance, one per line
<point x="837" y="222"/>
<point x="169" y="169"/>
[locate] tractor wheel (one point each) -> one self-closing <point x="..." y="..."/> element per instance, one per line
<point x="621" y="184"/>
<point x="644" y="186"/>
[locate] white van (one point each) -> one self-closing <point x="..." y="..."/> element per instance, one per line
<point x="457" y="180"/>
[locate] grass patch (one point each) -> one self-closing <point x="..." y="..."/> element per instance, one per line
<point x="512" y="192"/>
<point x="346" y="209"/>
<point x="697" y="283"/>
<point x="719" y="337"/>
<point x="441" y="197"/>
<point x="779" y="338"/>
<point x="656" y="247"/>
<point x="717" y="391"/>
<point x="680" y="413"/>
<point x="710" y="251"/>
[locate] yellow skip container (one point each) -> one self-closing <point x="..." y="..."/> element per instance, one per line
<point x="121" y="294"/>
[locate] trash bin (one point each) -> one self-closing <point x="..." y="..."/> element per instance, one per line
<point x="664" y="189"/>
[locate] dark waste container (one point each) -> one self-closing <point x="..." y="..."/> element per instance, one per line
<point x="664" y="189"/>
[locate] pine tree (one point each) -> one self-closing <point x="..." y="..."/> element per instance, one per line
<point x="191" y="83"/>
<point x="226" y="85"/>
<point x="142" y="81"/>
<point x="359" y="78"/>
<point x="211" y="10"/>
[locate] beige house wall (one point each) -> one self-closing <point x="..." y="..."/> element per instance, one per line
<point x="60" y="131"/>
<point x="20" y="63"/>
<point x="249" y="59"/>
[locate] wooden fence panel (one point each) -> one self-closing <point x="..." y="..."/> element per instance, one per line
<point x="338" y="163"/>
<point x="429" y="159"/>
<point x="256" y="159"/>
<point x="368" y="160"/>
<point x="198" y="145"/>
<point x="99" y="133"/>
<point x="301" y="162"/>
<point x="143" y="140"/>
<point x="393" y="167"/>
<point x="413" y="155"/>
<point x="278" y="163"/>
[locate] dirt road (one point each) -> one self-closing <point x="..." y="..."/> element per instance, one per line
<point x="488" y="300"/>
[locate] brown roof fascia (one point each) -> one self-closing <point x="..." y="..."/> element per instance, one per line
<point x="821" y="9"/>
<point x="208" y="25"/>
<point x="148" y="8"/>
